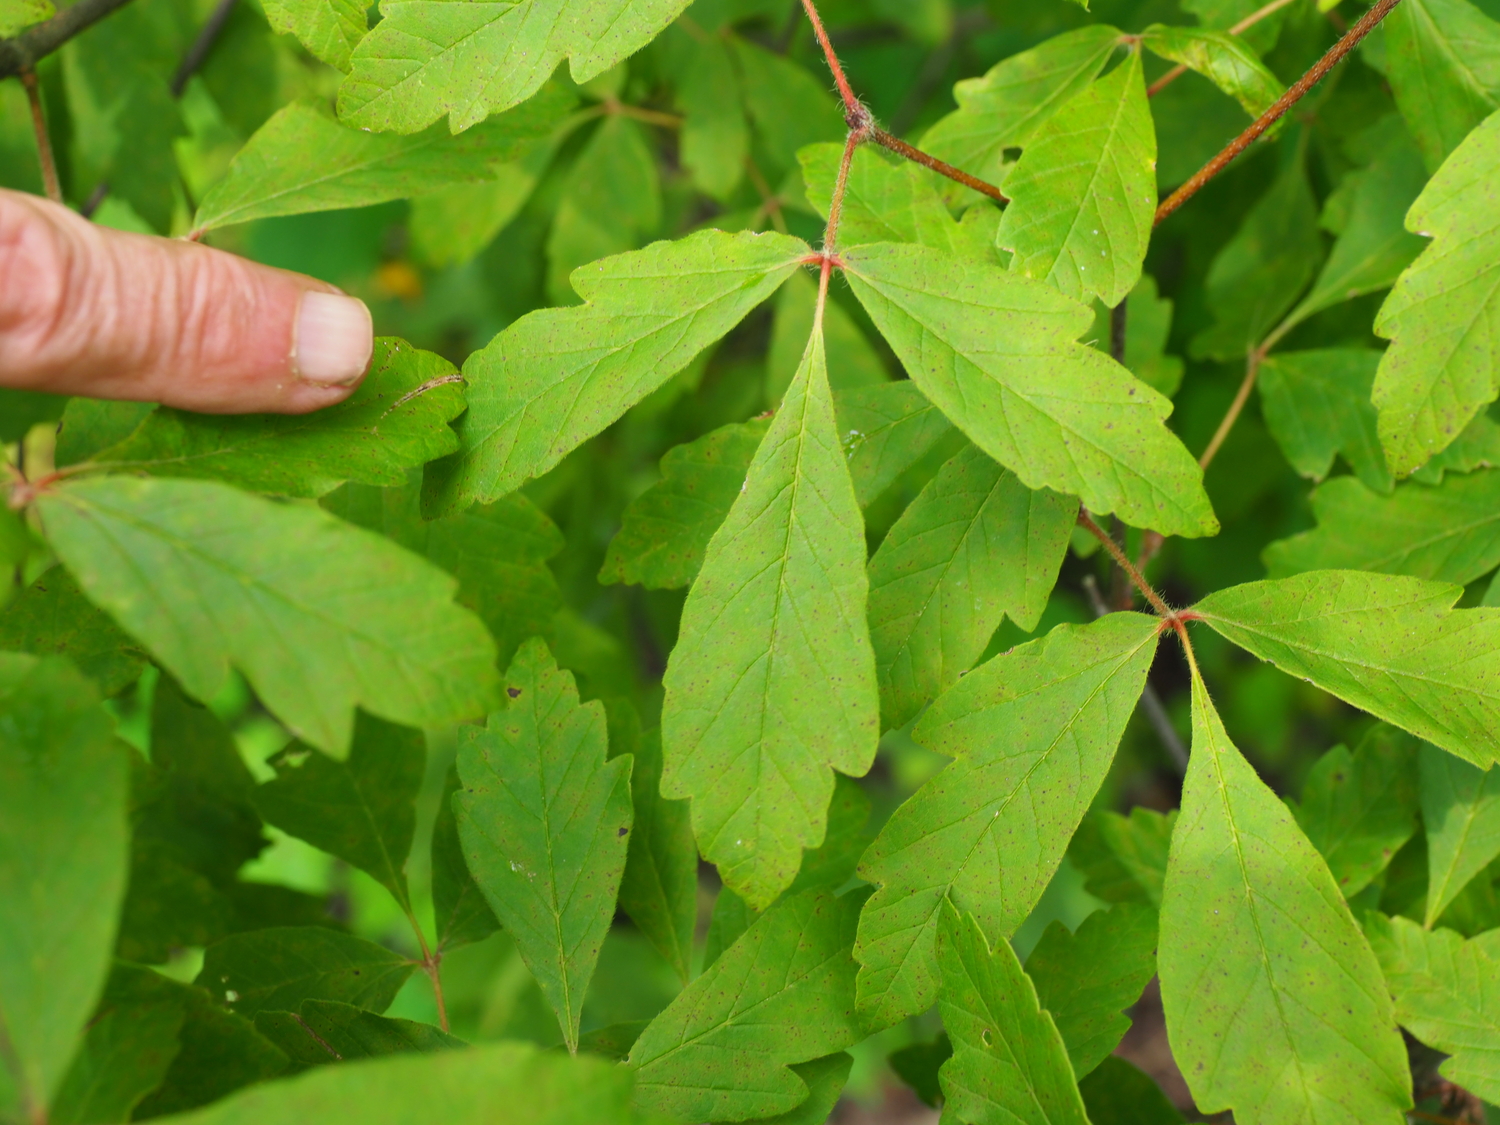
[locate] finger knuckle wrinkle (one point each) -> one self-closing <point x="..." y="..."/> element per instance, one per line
<point x="35" y="278"/>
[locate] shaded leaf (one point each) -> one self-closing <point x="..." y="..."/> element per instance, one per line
<point x="885" y="430"/>
<point x="52" y="618"/>
<point x="1123" y="858"/>
<point x="782" y="994"/>
<point x="452" y="225"/>
<point x="1317" y="404"/>
<point x="1258" y="948"/>
<point x="1116" y="1093"/>
<point x="275" y="969"/>
<point x="918" y="1064"/>
<point x="997" y="353"/>
<point x="1392" y="646"/>
<point x="543" y="819"/>
<point x="461" y="914"/>
<point x="1461" y="812"/>
<point x="354" y="620"/>
<point x="557" y="377"/>
<point x="715" y="137"/>
<point x="852" y="361"/>
<point x="1443" y="63"/>
<point x="1009" y="1062"/>
<point x="1035" y="730"/>
<point x="326" y="1031"/>
<point x="63" y="849"/>
<point x="789" y="105"/>
<point x="1226" y="60"/>
<point x="125" y="1054"/>
<point x="1148" y="321"/>
<point x="974" y="546"/>
<point x="772" y="684"/>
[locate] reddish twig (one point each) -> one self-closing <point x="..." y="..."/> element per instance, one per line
<point x="852" y="104"/>
<point x="1231" y="416"/>
<point x="1296" y="93"/>
<point x="1122" y="560"/>
<point x="856" y="138"/>
<point x="43" y="139"/>
<point x="942" y="168"/>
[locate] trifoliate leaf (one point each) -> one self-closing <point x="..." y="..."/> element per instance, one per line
<point x="397" y="420"/>
<point x="1374" y="245"/>
<point x="329" y="29"/>
<point x="51" y="617"/>
<point x="1392" y="646"/>
<point x="997" y="353"/>
<point x="325" y="1031"/>
<point x="303" y="160"/>
<point x="886" y="430"/>
<point x="772" y="684"/>
<point x="1262" y="270"/>
<point x="1086" y="979"/>
<point x="1359" y="809"/>
<point x="1084" y="193"/>
<point x="782" y="994"/>
<point x="1317" y="405"/>
<point x="321" y="617"/>
<point x="1461" y="812"/>
<point x="660" y="887"/>
<point x="1035" y="730"/>
<point x="1009" y="1062"/>
<point x="544" y="820"/>
<point x="1226" y="60"/>
<point x="362" y="810"/>
<point x="1005" y="108"/>
<point x="975" y="545"/>
<point x="1123" y="858"/>
<point x="17" y="15"/>
<point x="789" y="105"/>
<point x="1148" y="324"/>
<point x="1442" y="364"/>
<point x="1443" y="63"/>
<point x="275" y="969"/>
<point x="490" y="1082"/>
<point x="666" y="529"/>
<point x="63" y="851"/>
<point x="1117" y="1093"/>
<point x="1450" y="533"/>
<point x="1447" y="993"/>
<point x="1258" y="950"/>
<point x="557" y="377"/>
<point x="852" y="362"/>
<point x="459" y="910"/>
<point x="427" y="59"/>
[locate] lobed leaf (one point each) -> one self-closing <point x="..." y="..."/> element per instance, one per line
<point x="1035" y="730"/>
<point x="321" y="617"/>
<point x="997" y="353"/>
<point x="1123" y="858"/>
<point x="329" y="29"/>
<point x="557" y="377"/>
<point x="325" y="1031"/>
<point x="1443" y="64"/>
<point x="772" y="684"/>
<point x="1461" y="812"/>
<point x="1226" y="60"/>
<point x="1317" y="405"/>
<point x="1117" y="1093"/>
<point x="853" y="363"/>
<point x="51" y="617"/>
<point x="886" y="430"/>
<point x="460" y="912"/>
<point x="1260" y="955"/>
<point x="275" y="969"/>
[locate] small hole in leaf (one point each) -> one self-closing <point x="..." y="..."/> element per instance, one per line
<point x="513" y="692"/>
<point x="623" y="831"/>
<point x="984" y="1037"/>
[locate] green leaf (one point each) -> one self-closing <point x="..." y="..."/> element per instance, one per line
<point x="715" y="136"/>
<point x="826" y="1078"/>
<point x="1373" y="244"/>
<point x="853" y="362"/>
<point x="782" y="994"/>
<point x="1450" y="533"/>
<point x="493" y="1082"/>
<point x="731" y="917"/>
<point x="1263" y="269"/>
<point x="1008" y="105"/>
<point x="1476" y="447"/>
<point x="544" y="819"/>
<point x="63" y="847"/>
<point x="452" y="225"/>
<point x="303" y="160"/>
<point x="1083" y="195"/>
<point x="396" y="420"/>
<point x="917" y="1064"/>
<point x="427" y="59"/>
<point x="660" y="887"/>
<point x="362" y="810"/>
<point x="1087" y="979"/>
<point x="1223" y="14"/>
<point x="1447" y="993"/>
<point x="1317" y="404"/>
<point x="1123" y="858"/>
<point x="1148" y="320"/>
<point x="772" y="684"/>
<point x="1443" y="63"/>
<point x="326" y="1031"/>
<point x="461" y="914"/>
<point x="1035" y="730"/>
<point x="125" y="1054"/>
<point x="790" y="107"/>
<point x="321" y="617"/>
<point x="1461" y="811"/>
<point x="1116" y="1093"/>
<point x="1258" y="950"/>
<point x="1009" y="1063"/>
<point x="1441" y="316"/>
<point x="885" y="431"/>
<point x="557" y="377"/>
<point x="52" y="618"/>
<point x="329" y="29"/>
<point x="997" y="353"/>
<point x="1359" y="809"/>
<point x="665" y="531"/>
<point x="275" y="969"/>
<point x="1226" y="60"/>
<point x="90" y="425"/>
<point x="17" y="15"/>
<point x="975" y="545"/>
<point x="1392" y="646"/>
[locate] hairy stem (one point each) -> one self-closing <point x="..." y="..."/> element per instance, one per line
<point x="851" y="103"/>
<point x="1122" y="560"/>
<point x="1232" y="415"/>
<point x="840" y="188"/>
<point x="36" y="43"/>
<point x="43" y="139"/>
<point x="1238" y="29"/>
<point x="942" y="168"/>
<point x="1295" y="94"/>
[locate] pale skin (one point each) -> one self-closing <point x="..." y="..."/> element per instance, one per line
<point x="89" y="311"/>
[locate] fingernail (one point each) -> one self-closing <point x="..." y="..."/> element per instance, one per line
<point x="335" y="338"/>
